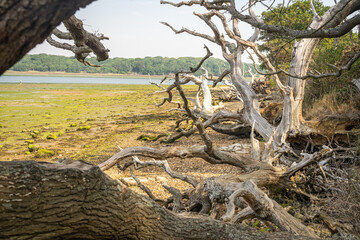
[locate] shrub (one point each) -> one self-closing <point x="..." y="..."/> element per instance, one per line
<point x="51" y="136"/>
<point x="83" y="128"/>
<point x="34" y="134"/>
<point x="32" y="148"/>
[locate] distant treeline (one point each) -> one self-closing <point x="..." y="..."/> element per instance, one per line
<point x="145" y="66"/>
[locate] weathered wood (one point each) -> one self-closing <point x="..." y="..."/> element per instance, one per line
<point x="84" y="42"/>
<point x="240" y="130"/>
<point x="83" y="38"/>
<point x="165" y="165"/>
<point x="24" y="24"/>
<point x="263" y="207"/>
<point x="78" y="201"/>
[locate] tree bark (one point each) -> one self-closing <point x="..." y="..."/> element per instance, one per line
<point x="78" y="201"/>
<point x="24" y="24"/>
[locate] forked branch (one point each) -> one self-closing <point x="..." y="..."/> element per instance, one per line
<point x="84" y="42"/>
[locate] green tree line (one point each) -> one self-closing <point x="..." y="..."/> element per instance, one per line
<point x="147" y="65"/>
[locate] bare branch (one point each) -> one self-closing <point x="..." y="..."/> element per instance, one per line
<point x="205" y="36"/>
<point x="199" y="125"/>
<point x="184" y="3"/>
<point x="242" y="215"/>
<point x="77" y="50"/>
<point x="331" y="28"/>
<point x="178" y="205"/>
<point x="83" y="38"/>
<point x="62" y="35"/>
<point x="221" y="77"/>
<point x="219" y="116"/>
<point x="252" y="14"/>
<point x="255" y="148"/>
<point x="165" y="165"/>
<point x="341" y="69"/>
<point x="146" y="189"/>
<point x="316" y="15"/>
<point x="268" y="64"/>
<point x="356" y="82"/>
<point x="307" y="159"/>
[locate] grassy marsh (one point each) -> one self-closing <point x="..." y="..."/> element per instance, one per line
<point x="76" y="120"/>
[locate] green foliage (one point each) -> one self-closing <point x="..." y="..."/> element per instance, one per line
<point x="256" y="224"/>
<point x="44" y="153"/>
<point x="153" y="138"/>
<point x="296" y="16"/>
<point x="32" y="148"/>
<point x="51" y="136"/>
<point x="145" y="66"/>
<point x="330" y="52"/>
<point x="34" y="134"/>
<point x="84" y="128"/>
<point x="278" y="48"/>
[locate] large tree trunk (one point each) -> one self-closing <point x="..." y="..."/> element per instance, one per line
<point x="24" y="24"/>
<point x="302" y="55"/>
<point x="78" y="201"/>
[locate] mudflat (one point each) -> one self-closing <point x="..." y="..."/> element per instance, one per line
<point x="51" y="122"/>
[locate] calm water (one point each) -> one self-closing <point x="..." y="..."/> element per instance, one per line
<point x="85" y="80"/>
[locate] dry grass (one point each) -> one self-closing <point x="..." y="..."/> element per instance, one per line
<point x="329" y="105"/>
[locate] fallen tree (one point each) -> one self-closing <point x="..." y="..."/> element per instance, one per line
<point x="78" y="201"/>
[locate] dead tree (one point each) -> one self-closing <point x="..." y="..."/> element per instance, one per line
<point x="261" y="170"/>
<point x="78" y="201"/>
<point x="292" y="123"/>
<point x="228" y="188"/>
<point x="205" y="106"/>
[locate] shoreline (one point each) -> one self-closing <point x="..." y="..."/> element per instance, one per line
<point x="81" y="74"/>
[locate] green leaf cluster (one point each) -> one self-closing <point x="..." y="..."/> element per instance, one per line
<point x="296" y="16"/>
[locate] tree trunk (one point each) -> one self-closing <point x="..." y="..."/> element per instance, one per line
<point x="24" y="24"/>
<point x="78" y="201"/>
<point x="251" y="105"/>
<point x="302" y="55"/>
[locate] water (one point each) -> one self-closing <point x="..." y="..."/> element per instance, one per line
<point x="84" y="80"/>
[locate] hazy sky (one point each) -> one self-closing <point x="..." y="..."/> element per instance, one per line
<point x="134" y="29"/>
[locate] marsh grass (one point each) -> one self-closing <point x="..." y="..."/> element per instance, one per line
<point x="97" y="116"/>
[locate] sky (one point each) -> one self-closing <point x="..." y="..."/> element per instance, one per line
<point x="134" y="29"/>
